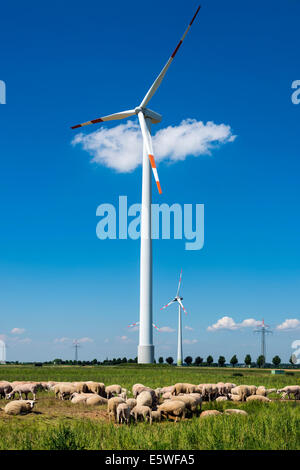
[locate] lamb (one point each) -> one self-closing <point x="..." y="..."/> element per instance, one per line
<point x="112" y="405"/>
<point x="112" y="390"/>
<point x="258" y="398"/>
<point x="206" y="413"/>
<point x="290" y="390"/>
<point x="123" y="413"/>
<point x="131" y="402"/>
<point x="5" y="388"/>
<point x="166" y="395"/>
<point x="221" y="399"/>
<point x="156" y="415"/>
<point x="25" y="389"/>
<point x="141" y="411"/>
<point x="169" y="389"/>
<point x="135" y="386"/>
<point x="233" y="397"/>
<point x="19" y="407"/>
<point x="173" y="409"/>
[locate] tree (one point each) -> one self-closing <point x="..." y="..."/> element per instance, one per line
<point x="209" y="360"/>
<point x="170" y="360"/>
<point x="276" y="361"/>
<point x="124" y="360"/>
<point x="188" y="360"/>
<point x="248" y="360"/>
<point x="221" y="361"/>
<point x="161" y="360"/>
<point x="198" y="361"/>
<point x="234" y="360"/>
<point x="260" y="361"/>
<point x="292" y="360"/>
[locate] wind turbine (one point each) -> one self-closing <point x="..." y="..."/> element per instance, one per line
<point x="178" y="299"/>
<point x="146" y="117"/>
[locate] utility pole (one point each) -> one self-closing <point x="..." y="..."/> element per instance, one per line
<point x="76" y="345"/>
<point x="263" y="330"/>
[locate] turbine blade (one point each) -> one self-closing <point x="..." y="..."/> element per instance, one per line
<point x="165" y="306"/>
<point x="134" y="324"/>
<point x="148" y="143"/>
<point x="153" y="324"/>
<point x="109" y="117"/>
<point x="181" y="304"/>
<point x="179" y="283"/>
<point x="160" y="77"/>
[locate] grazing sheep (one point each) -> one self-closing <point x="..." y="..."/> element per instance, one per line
<point x="208" y="391"/>
<point x="25" y="389"/>
<point x="290" y="390"/>
<point x="96" y="387"/>
<point x="112" y="404"/>
<point x="80" y="387"/>
<point x="112" y="390"/>
<point x="144" y="399"/>
<point x="156" y="415"/>
<point x="206" y="413"/>
<point x="169" y="389"/>
<point x="131" y="402"/>
<point x="173" y="409"/>
<point x="243" y="391"/>
<point x="191" y="402"/>
<point x="64" y="390"/>
<point x="252" y="389"/>
<point x="141" y="411"/>
<point x="19" y="407"/>
<point x="123" y="413"/>
<point x="258" y="398"/>
<point x="232" y="411"/>
<point x="222" y="389"/>
<point x="261" y="391"/>
<point x="166" y="395"/>
<point x="5" y="388"/>
<point x="184" y="388"/>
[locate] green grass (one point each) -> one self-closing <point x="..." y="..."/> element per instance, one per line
<point x="62" y="425"/>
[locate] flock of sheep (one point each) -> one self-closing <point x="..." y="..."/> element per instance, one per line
<point x="176" y="401"/>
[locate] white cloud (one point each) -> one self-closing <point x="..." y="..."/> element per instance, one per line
<point x="85" y="340"/>
<point x="120" y="147"/>
<point x="166" y="329"/>
<point x="189" y="328"/>
<point x="289" y="324"/>
<point x="64" y="339"/>
<point x="228" y="323"/>
<point x="18" y="331"/>
<point x="190" y="341"/>
<point x="25" y="340"/>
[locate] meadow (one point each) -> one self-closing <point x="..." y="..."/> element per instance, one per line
<point x="62" y="425"/>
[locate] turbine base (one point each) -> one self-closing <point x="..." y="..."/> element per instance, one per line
<point x="146" y="354"/>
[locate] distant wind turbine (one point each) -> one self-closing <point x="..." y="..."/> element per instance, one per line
<point x="178" y="299"/>
<point x="146" y="118"/>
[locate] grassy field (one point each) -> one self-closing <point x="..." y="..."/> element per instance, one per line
<point x="63" y="425"/>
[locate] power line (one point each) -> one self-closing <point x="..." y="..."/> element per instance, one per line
<point x="263" y="330"/>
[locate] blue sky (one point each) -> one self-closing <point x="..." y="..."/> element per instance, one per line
<point x="71" y="62"/>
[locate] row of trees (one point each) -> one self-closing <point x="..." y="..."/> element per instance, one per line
<point x="260" y="362"/>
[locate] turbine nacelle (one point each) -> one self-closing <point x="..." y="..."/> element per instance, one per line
<point x="149" y="114"/>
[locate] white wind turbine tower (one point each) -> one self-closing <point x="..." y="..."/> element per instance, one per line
<point x="146" y="118"/>
<point x="178" y="299"/>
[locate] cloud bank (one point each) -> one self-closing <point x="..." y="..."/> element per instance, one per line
<point x="228" y="323"/>
<point x="120" y="147"/>
<point x="289" y="324"/>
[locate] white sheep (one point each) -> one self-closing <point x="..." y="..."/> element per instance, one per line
<point x="5" y="388"/>
<point x="19" y="407"/>
<point x="112" y="404"/>
<point x="258" y="398"/>
<point x="25" y="389"/>
<point x="290" y="390"/>
<point x="123" y="413"/>
<point x="144" y="399"/>
<point x="173" y="409"/>
<point x="208" y="413"/>
<point x="234" y="411"/>
<point x="112" y="390"/>
<point x="141" y="412"/>
<point x="131" y="402"/>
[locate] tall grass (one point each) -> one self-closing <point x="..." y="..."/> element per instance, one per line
<point x="275" y="426"/>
